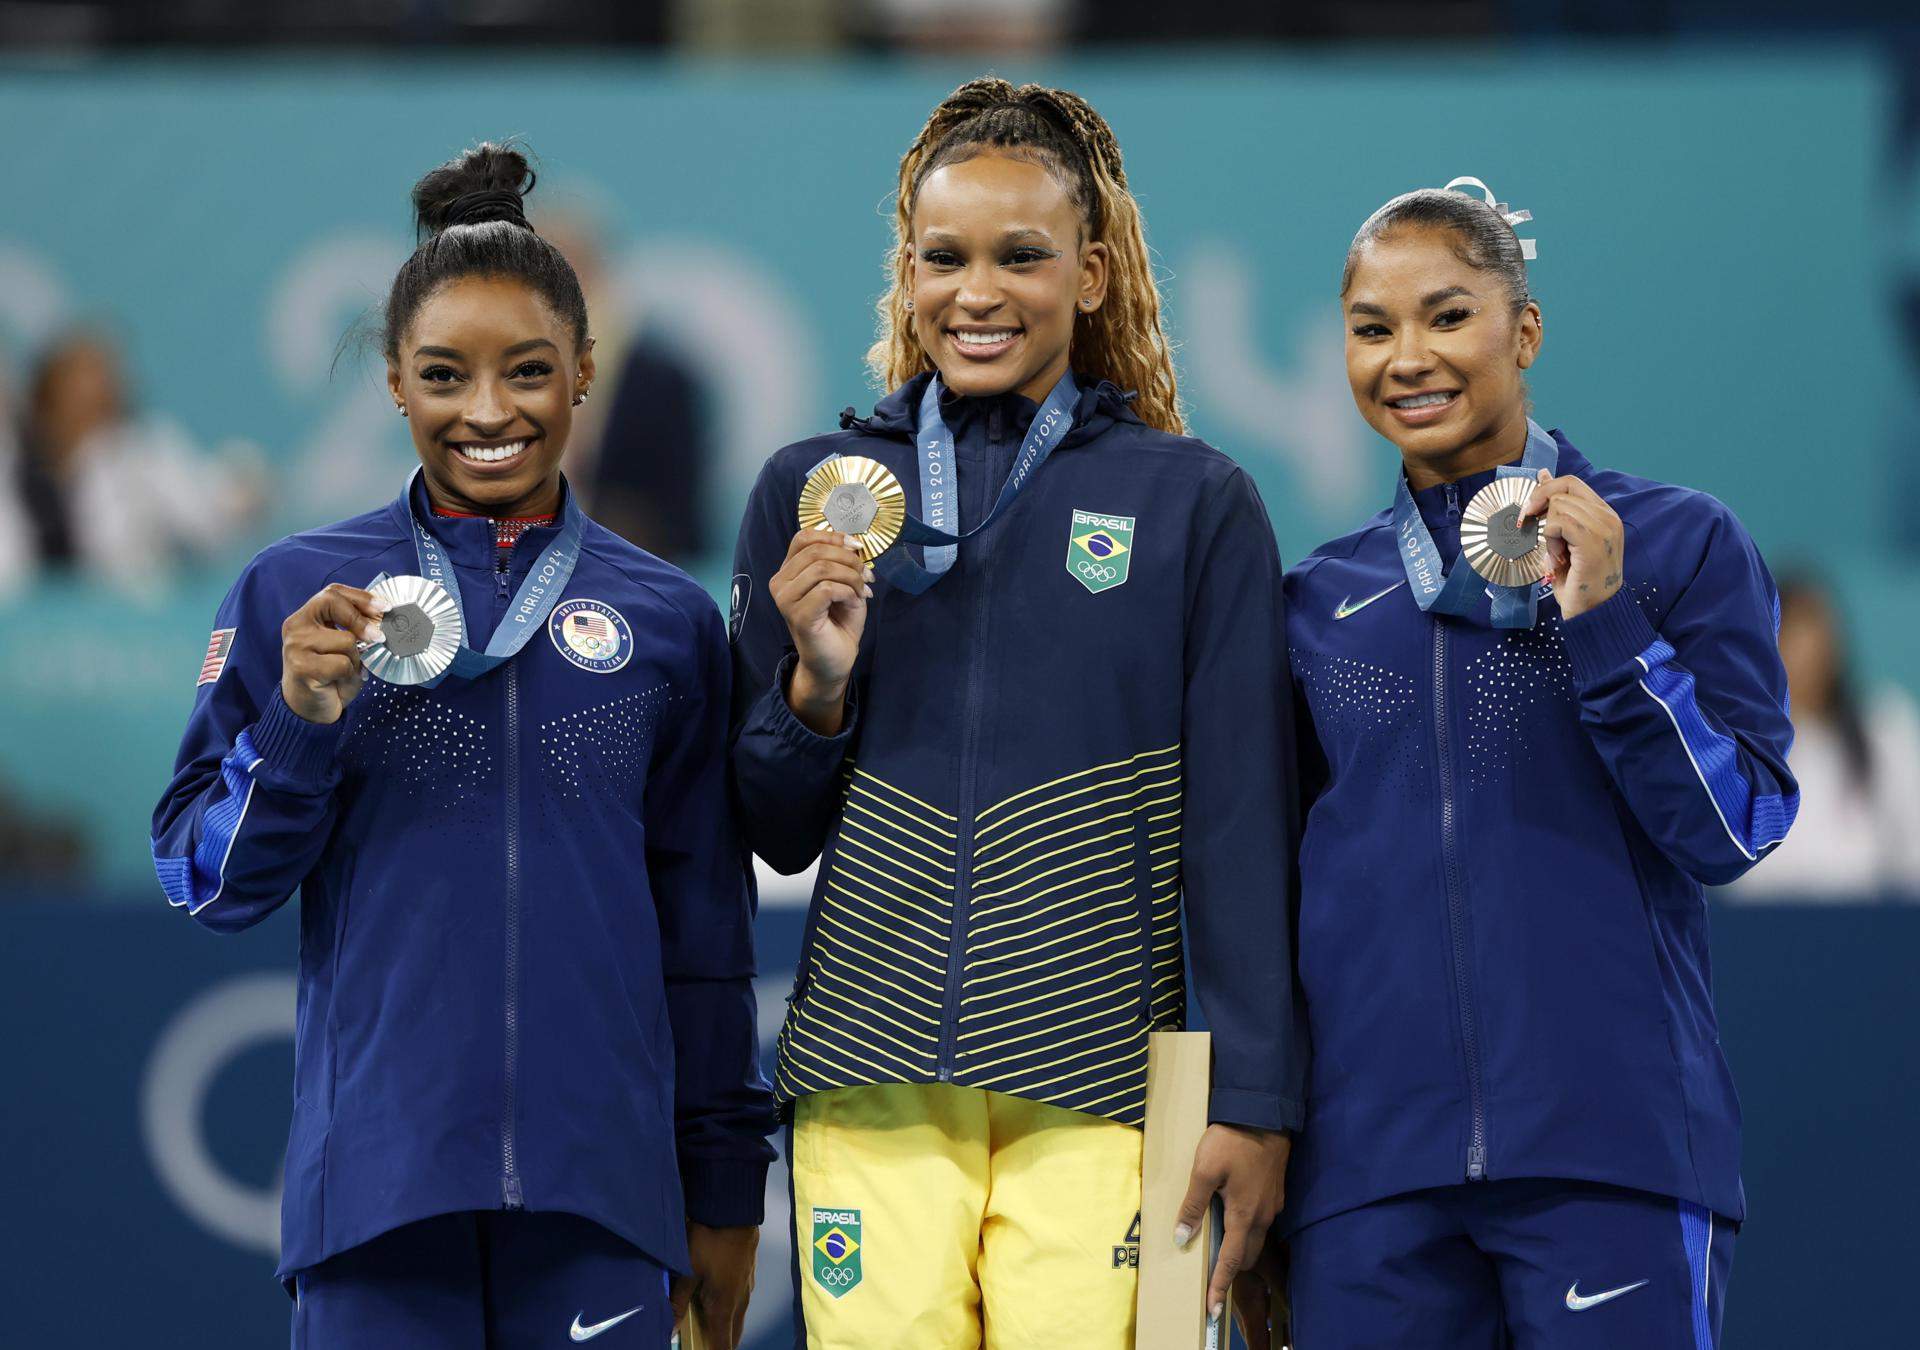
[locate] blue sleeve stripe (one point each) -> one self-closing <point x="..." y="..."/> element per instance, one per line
<point x="196" y="882"/>
<point x="1763" y="820"/>
<point x="1696" y="1237"/>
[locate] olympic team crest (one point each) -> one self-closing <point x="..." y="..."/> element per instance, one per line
<point x="1099" y="549"/>
<point x="591" y="634"/>
<point x="836" y="1249"/>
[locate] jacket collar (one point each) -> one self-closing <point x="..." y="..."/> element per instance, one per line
<point x="1432" y="501"/>
<point x="897" y="416"/>
<point x="468" y="540"/>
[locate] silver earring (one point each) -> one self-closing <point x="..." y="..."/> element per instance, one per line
<point x="579" y="398"/>
<point x="909" y="306"/>
<point x="401" y="408"/>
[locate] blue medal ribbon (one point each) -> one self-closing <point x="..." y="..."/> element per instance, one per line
<point x="537" y="596"/>
<point x="1458" y="592"/>
<point x="939" y="508"/>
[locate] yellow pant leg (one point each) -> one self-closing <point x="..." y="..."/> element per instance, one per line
<point x="889" y="1185"/>
<point x="1060" y="1248"/>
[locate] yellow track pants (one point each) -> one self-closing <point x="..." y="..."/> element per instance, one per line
<point x="933" y="1217"/>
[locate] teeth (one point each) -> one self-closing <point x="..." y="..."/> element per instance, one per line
<point x="968" y="339"/>
<point x="1420" y="400"/>
<point x="491" y="454"/>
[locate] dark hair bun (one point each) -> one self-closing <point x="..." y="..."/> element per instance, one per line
<point x="489" y="182"/>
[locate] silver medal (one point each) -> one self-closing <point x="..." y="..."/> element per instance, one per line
<point x="423" y="631"/>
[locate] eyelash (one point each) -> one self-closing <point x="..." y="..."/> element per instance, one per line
<point x="1450" y="318"/>
<point x="1020" y="257"/>
<point x="526" y="370"/>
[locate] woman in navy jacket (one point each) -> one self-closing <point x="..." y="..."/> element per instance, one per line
<point x="1020" y="779"/>
<point x="1520" y="1126"/>
<point x="525" y="1072"/>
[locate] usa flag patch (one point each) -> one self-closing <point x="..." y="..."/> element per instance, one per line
<point x="216" y="659"/>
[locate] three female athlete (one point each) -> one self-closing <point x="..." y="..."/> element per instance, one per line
<point x="1520" y="1126"/>
<point x="1018" y="759"/>
<point x="526" y="1084"/>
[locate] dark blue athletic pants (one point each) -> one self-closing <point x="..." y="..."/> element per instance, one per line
<point x="1531" y="1265"/>
<point x="492" y="1280"/>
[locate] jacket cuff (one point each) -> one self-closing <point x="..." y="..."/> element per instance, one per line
<point x="1606" y="637"/>
<point x="797" y="735"/>
<point x="298" y="752"/>
<point x="1255" y="1110"/>
<point x="725" y="1192"/>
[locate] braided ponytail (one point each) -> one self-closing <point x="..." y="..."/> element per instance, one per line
<point x="1123" y="341"/>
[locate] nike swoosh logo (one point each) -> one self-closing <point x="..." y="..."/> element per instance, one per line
<point x="580" y="1333"/>
<point x="1578" y="1302"/>
<point x="1348" y="609"/>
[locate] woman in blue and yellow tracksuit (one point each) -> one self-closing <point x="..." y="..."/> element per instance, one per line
<point x="1018" y="774"/>
<point x="525" y="1070"/>
<point x="1520" y="1126"/>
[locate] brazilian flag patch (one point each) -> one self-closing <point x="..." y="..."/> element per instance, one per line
<point x="1099" y="549"/>
<point x="836" y="1250"/>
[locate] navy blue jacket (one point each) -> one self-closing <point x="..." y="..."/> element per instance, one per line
<point x="1503" y="936"/>
<point x="1042" y="767"/>
<point x="526" y="949"/>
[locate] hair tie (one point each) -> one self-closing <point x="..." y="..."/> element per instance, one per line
<point x="477" y="208"/>
<point x="1513" y="218"/>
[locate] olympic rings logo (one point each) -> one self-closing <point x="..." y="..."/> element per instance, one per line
<point x="837" y="1275"/>
<point x="1096" y="571"/>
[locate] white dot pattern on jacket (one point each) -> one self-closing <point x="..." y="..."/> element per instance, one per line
<point x="416" y="742"/>
<point x="1369" y="704"/>
<point x="604" y="749"/>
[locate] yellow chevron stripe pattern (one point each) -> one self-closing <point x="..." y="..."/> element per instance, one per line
<point x="1073" y="940"/>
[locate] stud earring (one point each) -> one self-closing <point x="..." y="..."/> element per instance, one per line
<point x="400" y="408"/>
<point x="909" y="306"/>
<point x="579" y="398"/>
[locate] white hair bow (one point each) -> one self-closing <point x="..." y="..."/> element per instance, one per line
<point x="1511" y="217"/>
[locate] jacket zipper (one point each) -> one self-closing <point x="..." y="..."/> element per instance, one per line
<point x="1459" y="924"/>
<point x="510" y="1193"/>
<point x="970" y="718"/>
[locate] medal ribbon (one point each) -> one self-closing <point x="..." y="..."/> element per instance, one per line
<point x="939" y="509"/>
<point x="1458" y="592"/>
<point x="537" y="596"/>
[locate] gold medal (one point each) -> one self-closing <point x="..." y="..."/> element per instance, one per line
<point x="1493" y="541"/>
<point x="854" y="495"/>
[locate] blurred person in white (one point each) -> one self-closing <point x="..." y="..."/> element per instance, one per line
<point x="1856" y="754"/>
<point x="98" y="489"/>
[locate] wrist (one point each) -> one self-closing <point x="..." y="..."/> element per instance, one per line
<point x="820" y="705"/>
<point x="302" y="704"/>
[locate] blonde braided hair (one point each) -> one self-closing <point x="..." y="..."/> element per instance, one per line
<point x="1121" y="341"/>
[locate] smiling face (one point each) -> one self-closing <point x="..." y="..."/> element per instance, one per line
<point x="999" y="269"/>
<point x="1436" y="353"/>
<point x="487" y="374"/>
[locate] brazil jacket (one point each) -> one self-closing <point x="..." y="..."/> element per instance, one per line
<point x="526" y="948"/>
<point x="1074" y="738"/>
<point x="1503" y="933"/>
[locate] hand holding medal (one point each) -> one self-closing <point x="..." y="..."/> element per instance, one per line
<point x="320" y="646"/>
<point x="1581" y="537"/>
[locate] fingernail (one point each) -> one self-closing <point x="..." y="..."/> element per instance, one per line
<point x="1213" y="1312"/>
<point x="373" y="633"/>
<point x="1182" y="1236"/>
<point x="868" y="575"/>
<point x="379" y="606"/>
<point x="867" y="591"/>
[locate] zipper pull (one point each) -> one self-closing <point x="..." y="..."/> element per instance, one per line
<point x="502" y="557"/>
<point x="1453" y="501"/>
<point x="1477" y="1163"/>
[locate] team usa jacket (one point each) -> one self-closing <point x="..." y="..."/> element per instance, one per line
<point x="1077" y="734"/>
<point x="526" y="949"/>
<point x="1503" y="935"/>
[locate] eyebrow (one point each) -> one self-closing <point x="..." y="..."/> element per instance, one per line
<point x="1427" y="301"/>
<point x="455" y="354"/>
<point x="1007" y="236"/>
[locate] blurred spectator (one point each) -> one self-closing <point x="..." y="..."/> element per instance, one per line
<point x="95" y="490"/>
<point x="642" y="448"/>
<point x="1857" y="755"/>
